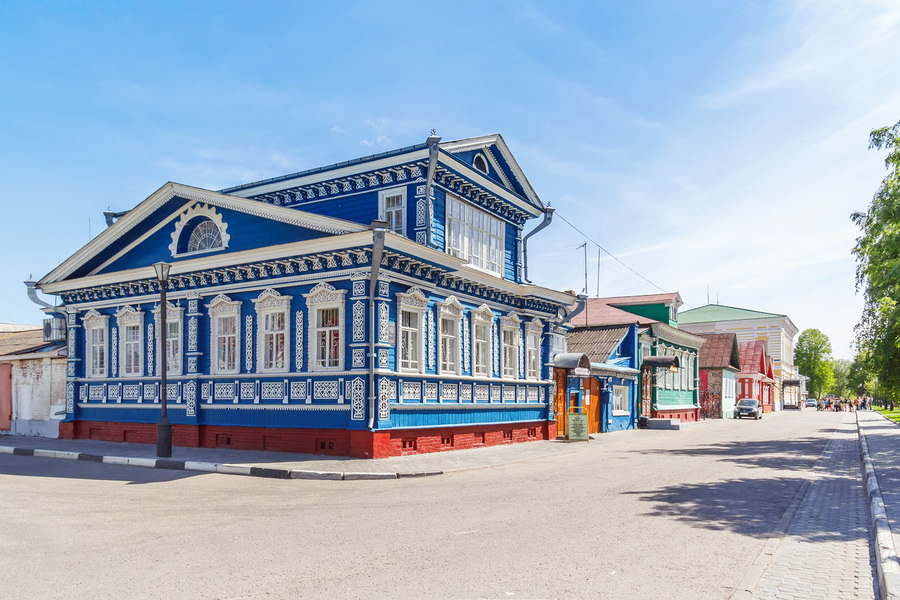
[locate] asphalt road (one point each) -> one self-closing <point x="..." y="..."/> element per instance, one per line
<point x="674" y="515"/>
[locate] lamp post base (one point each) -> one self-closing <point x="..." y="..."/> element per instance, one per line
<point x="163" y="438"/>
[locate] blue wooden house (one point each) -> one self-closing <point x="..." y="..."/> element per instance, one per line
<point x="609" y="392"/>
<point x="369" y="308"/>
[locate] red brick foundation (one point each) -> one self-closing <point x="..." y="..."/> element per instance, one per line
<point x="338" y="442"/>
<point x="685" y="414"/>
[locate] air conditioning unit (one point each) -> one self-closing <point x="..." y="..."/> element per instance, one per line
<point x="54" y="330"/>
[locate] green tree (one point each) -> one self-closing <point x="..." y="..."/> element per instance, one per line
<point x="877" y="254"/>
<point x="841" y="387"/>
<point x="812" y="355"/>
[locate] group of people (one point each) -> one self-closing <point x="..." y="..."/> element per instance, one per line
<point x="844" y="404"/>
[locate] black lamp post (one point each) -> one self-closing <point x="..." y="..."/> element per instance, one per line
<point x="163" y="427"/>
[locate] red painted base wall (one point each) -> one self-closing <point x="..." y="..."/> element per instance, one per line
<point x="339" y="442"/>
<point x="686" y="415"/>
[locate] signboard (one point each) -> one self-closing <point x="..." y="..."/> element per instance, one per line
<point x="581" y="372"/>
<point x="577" y="427"/>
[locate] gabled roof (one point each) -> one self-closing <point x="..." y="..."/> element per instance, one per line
<point x="718" y="312"/>
<point x="599" y="313"/>
<point x="511" y="184"/>
<point x="599" y="344"/>
<point x="754" y="360"/>
<point x="143" y="211"/>
<point x="667" y="298"/>
<point x="23" y="342"/>
<point x="720" y="351"/>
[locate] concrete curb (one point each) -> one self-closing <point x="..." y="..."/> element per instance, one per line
<point x="208" y="467"/>
<point x="887" y="567"/>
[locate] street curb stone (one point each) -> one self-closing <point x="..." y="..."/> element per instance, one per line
<point x="885" y="552"/>
<point x="208" y="467"/>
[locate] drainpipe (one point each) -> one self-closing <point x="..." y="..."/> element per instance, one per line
<point x="433" y="142"/>
<point x="379" y="228"/>
<point x="32" y="295"/>
<point x="548" y="216"/>
<point x="579" y="308"/>
<point x="112" y="216"/>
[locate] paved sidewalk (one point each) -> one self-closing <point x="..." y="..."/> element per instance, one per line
<point x="825" y="552"/>
<point x="881" y="445"/>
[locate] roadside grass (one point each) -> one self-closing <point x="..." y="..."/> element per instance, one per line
<point x="893" y="415"/>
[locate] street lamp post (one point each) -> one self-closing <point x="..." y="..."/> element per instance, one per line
<point x="163" y="427"/>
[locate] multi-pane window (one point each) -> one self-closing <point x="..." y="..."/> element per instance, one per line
<point x="328" y="338"/>
<point x="510" y="341"/>
<point x="392" y="205"/>
<point x="225" y="343"/>
<point x="131" y="341"/>
<point x="449" y="345"/>
<point x="532" y="354"/>
<point x="620" y="398"/>
<point x="173" y="346"/>
<point x="205" y="236"/>
<point x="131" y="350"/>
<point x="410" y="344"/>
<point x="274" y="340"/>
<point x="475" y="236"/>
<point x="481" y="348"/>
<point x="96" y="350"/>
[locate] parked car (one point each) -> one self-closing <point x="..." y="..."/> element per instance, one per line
<point x="811" y="403"/>
<point x="748" y="407"/>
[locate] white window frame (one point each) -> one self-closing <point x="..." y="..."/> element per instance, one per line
<point x="475" y="236"/>
<point x="510" y="345"/>
<point x="450" y="311"/>
<point x="383" y="211"/>
<point x="221" y="309"/>
<point x="620" y="400"/>
<point x="198" y="211"/>
<point x="483" y="317"/>
<point x="325" y="297"/>
<point x="533" y="330"/>
<point x="128" y="319"/>
<point x="174" y="343"/>
<point x="413" y="302"/>
<point x="271" y="306"/>
<point x="96" y="351"/>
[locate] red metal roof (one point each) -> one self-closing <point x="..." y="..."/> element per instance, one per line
<point x="720" y="351"/>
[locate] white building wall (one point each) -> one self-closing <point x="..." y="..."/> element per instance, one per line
<point x="38" y="393"/>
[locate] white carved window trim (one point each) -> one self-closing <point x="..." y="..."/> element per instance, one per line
<point x="96" y="350"/>
<point x="483" y="317"/>
<point x="449" y="310"/>
<point x="270" y="305"/>
<point x="533" y="331"/>
<point x="130" y="319"/>
<point x="395" y="216"/>
<point x="202" y="212"/>
<point x="413" y="302"/>
<point x="323" y="297"/>
<point x="174" y="343"/>
<point x="620" y="400"/>
<point x="510" y="344"/>
<point x="483" y="168"/>
<point x="220" y="309"/>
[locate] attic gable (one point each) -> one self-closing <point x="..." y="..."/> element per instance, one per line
<point x="149" y="232"/>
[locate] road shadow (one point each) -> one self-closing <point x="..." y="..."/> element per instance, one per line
<point x="747" y="506"/>
<point x="45" y="467"/>
<point x="790" y="454"/>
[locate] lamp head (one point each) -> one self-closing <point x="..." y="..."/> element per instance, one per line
<point x="162" y="270"/>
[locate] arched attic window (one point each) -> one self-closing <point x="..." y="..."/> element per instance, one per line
<point x="199" y="229"/>
<point x="480" y="163"/>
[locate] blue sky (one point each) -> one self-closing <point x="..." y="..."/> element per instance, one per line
<point x="708" y="145"/>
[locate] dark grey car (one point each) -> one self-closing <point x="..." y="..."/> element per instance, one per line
<point x="747" y="407"/>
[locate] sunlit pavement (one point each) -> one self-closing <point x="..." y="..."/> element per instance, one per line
<point x="825" y="553"/>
